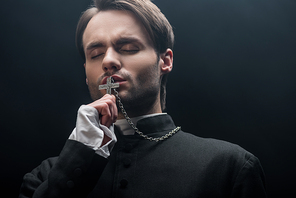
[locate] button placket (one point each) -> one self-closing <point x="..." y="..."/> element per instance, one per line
<point x="126" y="162"/>
<point x="70" y="184"/>
<point x="123" y="183"/>
<point x="128" y="147"/>
<point x="126" y="173"/>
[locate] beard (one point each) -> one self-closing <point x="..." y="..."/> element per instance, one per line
<point x="142" y="94"/>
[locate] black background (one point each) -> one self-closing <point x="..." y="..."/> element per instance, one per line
<point x="234" y="78"/>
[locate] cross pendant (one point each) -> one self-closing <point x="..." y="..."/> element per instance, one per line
<point x="109" y="85"/>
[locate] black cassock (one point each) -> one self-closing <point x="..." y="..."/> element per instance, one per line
<point x="182" y="166"/>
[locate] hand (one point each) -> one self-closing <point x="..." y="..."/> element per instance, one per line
<point x="106" y="106"/>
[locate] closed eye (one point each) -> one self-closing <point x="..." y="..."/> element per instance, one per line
<point x="130" y="51"/>
<point x="129" y="48"/>
<point x="96" y="56"/>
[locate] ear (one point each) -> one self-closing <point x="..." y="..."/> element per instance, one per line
<point x="166" y="61"/>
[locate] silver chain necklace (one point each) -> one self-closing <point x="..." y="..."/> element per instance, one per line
<point x="164" y="137"/>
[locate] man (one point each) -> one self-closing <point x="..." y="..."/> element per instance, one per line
<point x="128" y="43"/>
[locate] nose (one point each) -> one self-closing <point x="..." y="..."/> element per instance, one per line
<point x="111" y="61"/>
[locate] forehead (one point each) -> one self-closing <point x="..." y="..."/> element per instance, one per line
<point x="112" y="24"/>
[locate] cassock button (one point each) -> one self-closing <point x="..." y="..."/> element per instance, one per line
<point x="70" y="184"/>
<point x="123" y="183"/>
<point x="127" y="162"/>
<point x="128" y="147"/>
<point x="77" y="172"/>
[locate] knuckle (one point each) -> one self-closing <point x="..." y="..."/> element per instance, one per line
<point x="104" y="105"/>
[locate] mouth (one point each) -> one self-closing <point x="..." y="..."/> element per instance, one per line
<point x="117" y="79"/>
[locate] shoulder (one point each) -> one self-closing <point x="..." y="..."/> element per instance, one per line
<point x="207" y="143"/>
<point x="222" y="162"/>
<point x="217" y="155"/>
<point x="213" y="149"/>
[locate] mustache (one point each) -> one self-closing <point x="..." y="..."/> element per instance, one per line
<point x="123" y="75"/>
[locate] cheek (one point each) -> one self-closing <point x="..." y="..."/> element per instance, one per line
<point x="148" y="75"/>
<point x="93" y="72"/>
<point x="142" y="63"/>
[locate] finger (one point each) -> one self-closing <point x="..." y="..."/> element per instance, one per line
<point x="111" y="101"/>
<point x="109" y="116"/>
<point x="105" y="113"/>
<point x="106" y="107"/>
<point x="113" y="109"/>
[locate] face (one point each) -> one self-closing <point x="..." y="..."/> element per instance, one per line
<point x="116" y="44"/>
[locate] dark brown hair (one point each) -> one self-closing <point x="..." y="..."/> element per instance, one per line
<point x="156" y="24"/>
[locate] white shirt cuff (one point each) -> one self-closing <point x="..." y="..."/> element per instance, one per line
<point x="90" y="132"/>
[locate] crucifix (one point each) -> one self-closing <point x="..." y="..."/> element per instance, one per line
<point x="109" y="85"/>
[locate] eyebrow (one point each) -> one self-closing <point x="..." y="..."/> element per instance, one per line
<point x="120" y="41"/>
<point x="125" y="40"/>
<point x="94" y="45"/>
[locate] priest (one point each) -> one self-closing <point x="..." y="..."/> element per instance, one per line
<point x="123" y="144"/>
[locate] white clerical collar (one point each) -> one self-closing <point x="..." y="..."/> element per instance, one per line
<point x="126" y="129"/>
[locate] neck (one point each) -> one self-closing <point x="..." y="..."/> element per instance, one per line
<point x="156" y="108"/>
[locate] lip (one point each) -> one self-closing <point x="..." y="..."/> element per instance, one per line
<point x="117" y="79"/>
